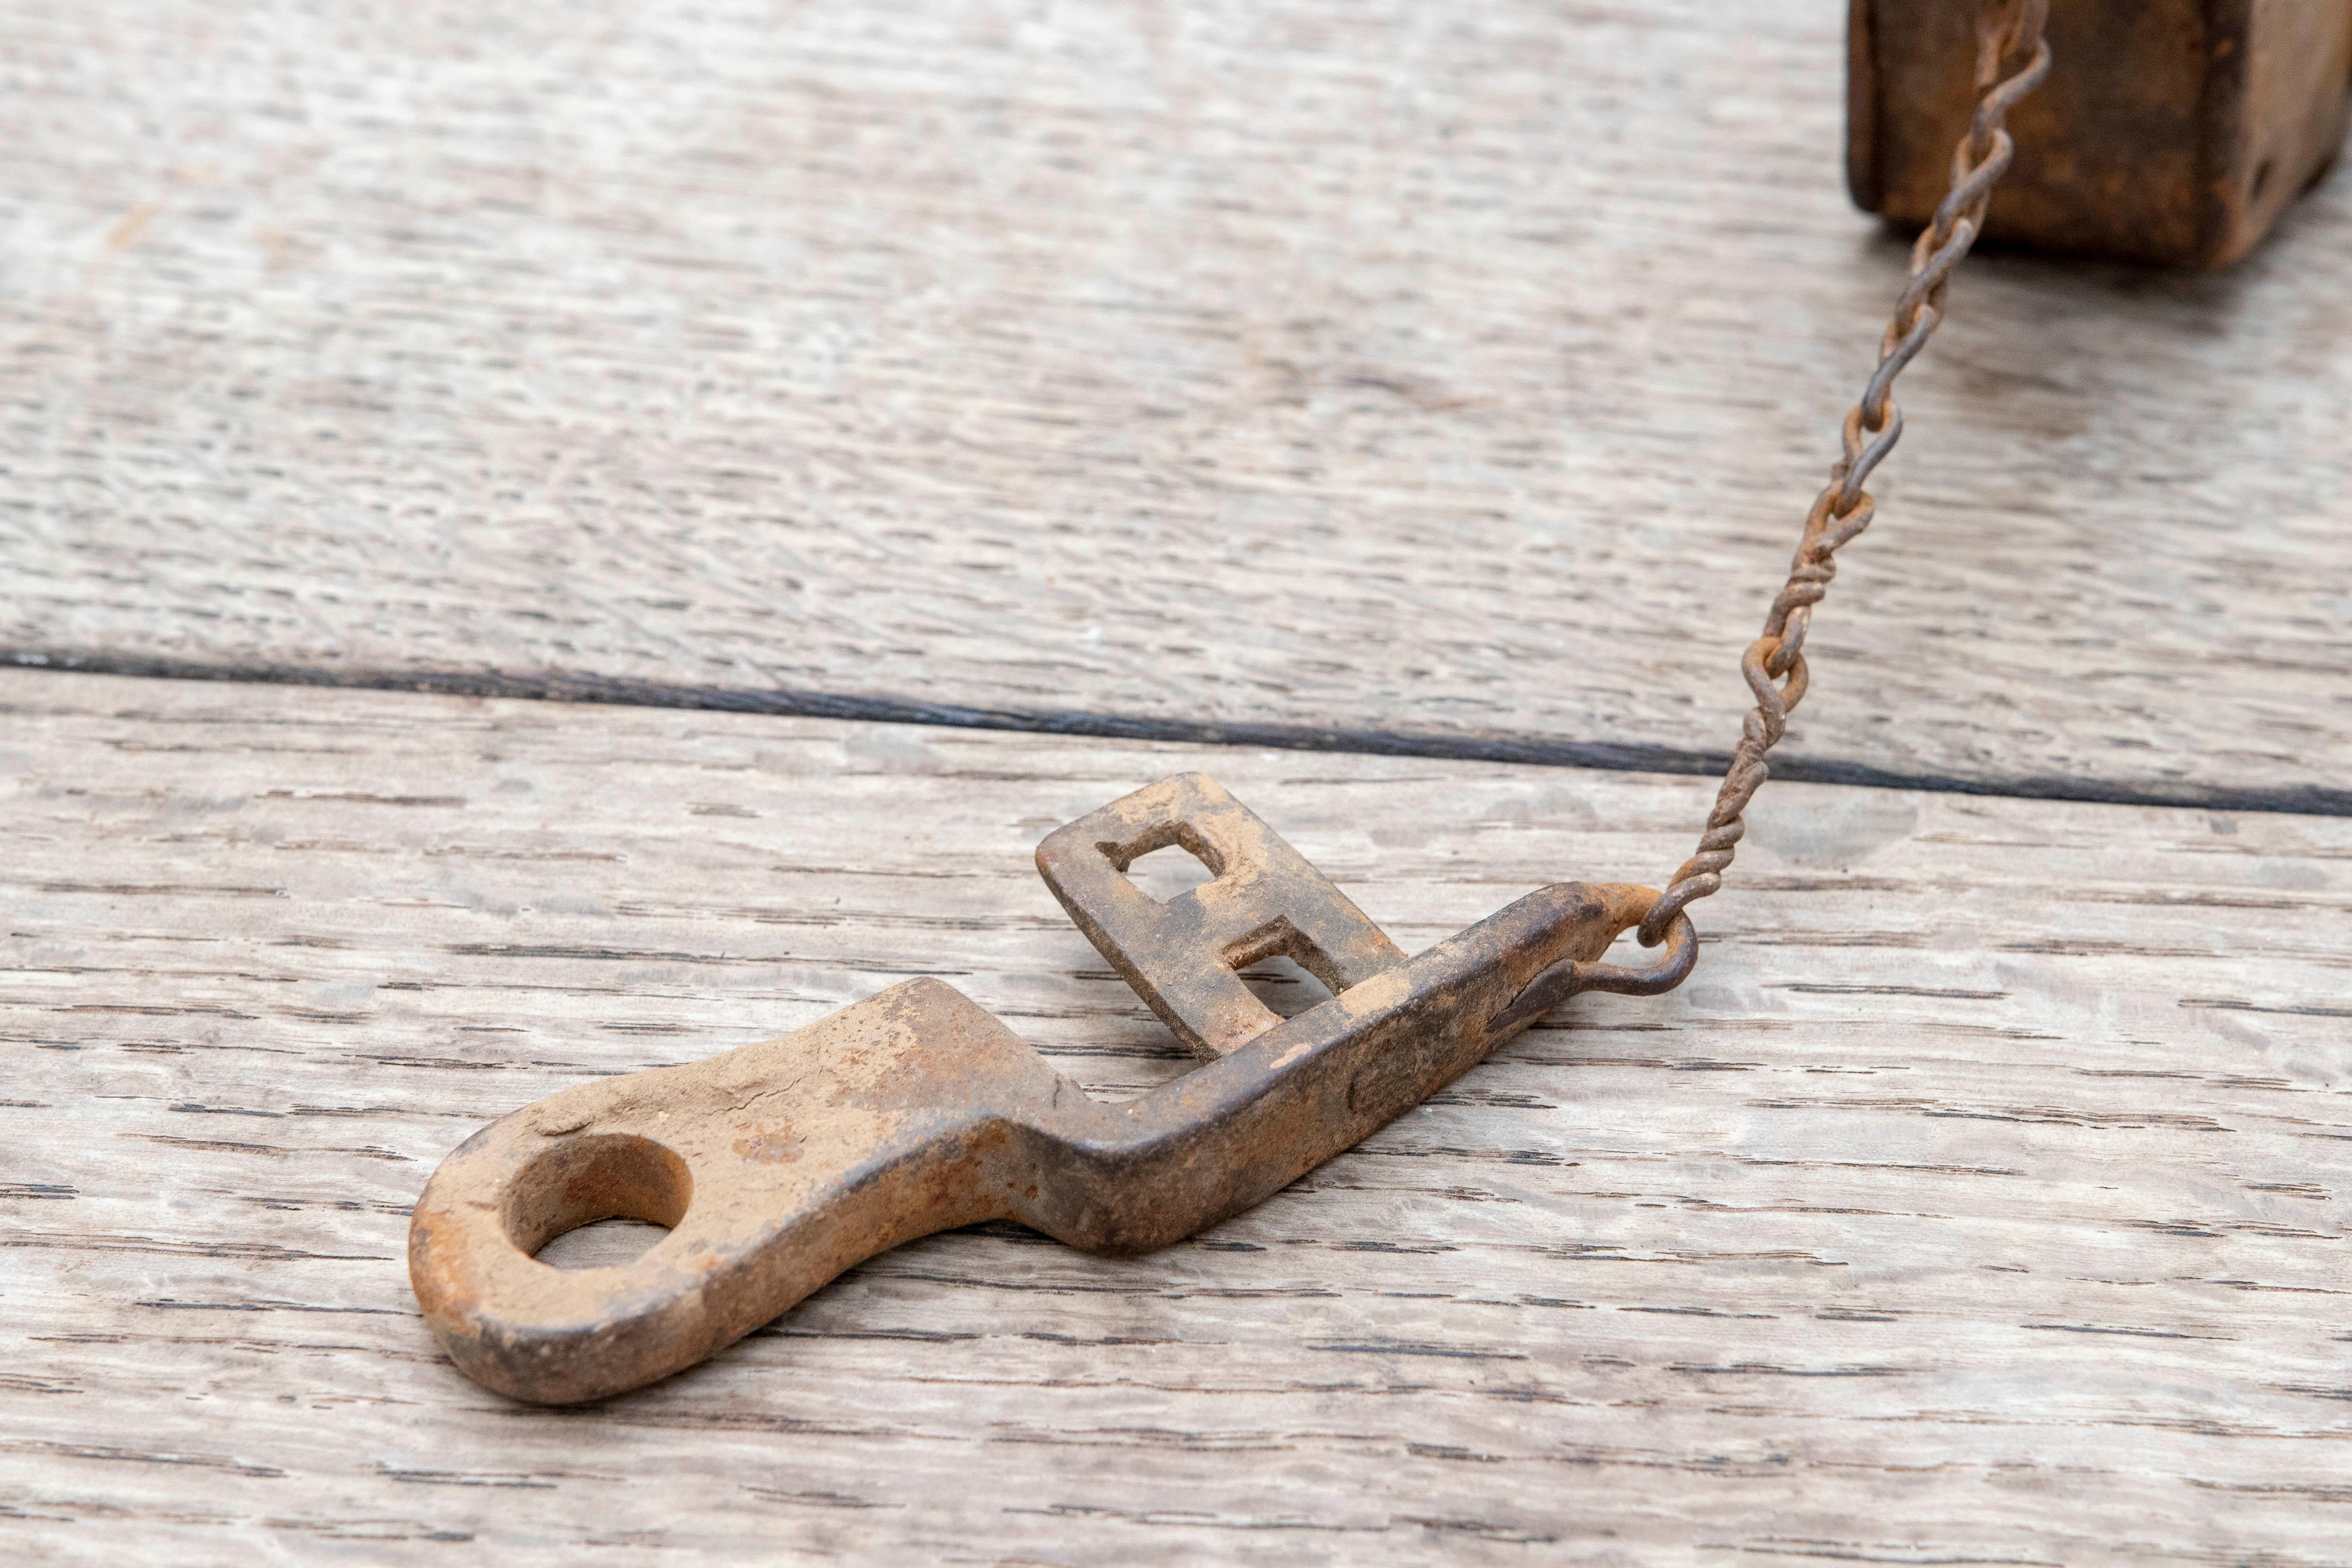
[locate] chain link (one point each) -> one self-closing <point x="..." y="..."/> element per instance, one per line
<point x="1774" y="664"/>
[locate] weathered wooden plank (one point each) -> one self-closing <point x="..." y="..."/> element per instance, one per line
<point x="1980" y="1199"/>
<point x="1449" y="378"/>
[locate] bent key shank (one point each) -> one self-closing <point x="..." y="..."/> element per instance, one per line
<point x="779" y="1165"/>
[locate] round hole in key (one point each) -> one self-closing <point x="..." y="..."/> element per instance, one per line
<point x="602" y="1244"/>
<point x="577" y="1182"/>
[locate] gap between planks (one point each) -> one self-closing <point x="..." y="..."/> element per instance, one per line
<point x="1529" y="751"/>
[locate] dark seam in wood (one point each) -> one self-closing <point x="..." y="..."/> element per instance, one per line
<point x="2308" y="800"/>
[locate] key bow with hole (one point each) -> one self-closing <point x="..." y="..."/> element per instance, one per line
<point x="780" y="1164"/>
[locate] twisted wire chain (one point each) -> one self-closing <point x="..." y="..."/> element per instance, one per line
<point x="1774" y="663"/>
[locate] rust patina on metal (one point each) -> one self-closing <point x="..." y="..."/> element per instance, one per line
<point x="779" y="1165"/>
<point x="2171" y="131"/>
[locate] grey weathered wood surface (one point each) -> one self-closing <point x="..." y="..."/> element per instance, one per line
<point x="1435" y="376"/>
<point x="1980" y="1200"/>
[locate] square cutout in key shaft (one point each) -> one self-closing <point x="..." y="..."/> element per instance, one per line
<point x="1167" y="871"/>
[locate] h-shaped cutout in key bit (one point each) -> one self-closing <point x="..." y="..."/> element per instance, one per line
<point x="1183" y="955"/>
<point x="778" y="1165"/>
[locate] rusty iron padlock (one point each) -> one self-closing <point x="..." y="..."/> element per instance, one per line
<point x="2171" y="131"/>
<point x="779" y="1165"/>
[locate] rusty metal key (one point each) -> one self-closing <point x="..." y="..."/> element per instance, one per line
<point x="779" y="1165"/>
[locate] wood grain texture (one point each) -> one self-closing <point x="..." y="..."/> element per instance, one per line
<point x="1431" y="376"/>
<point x="1979" y="1200"/>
